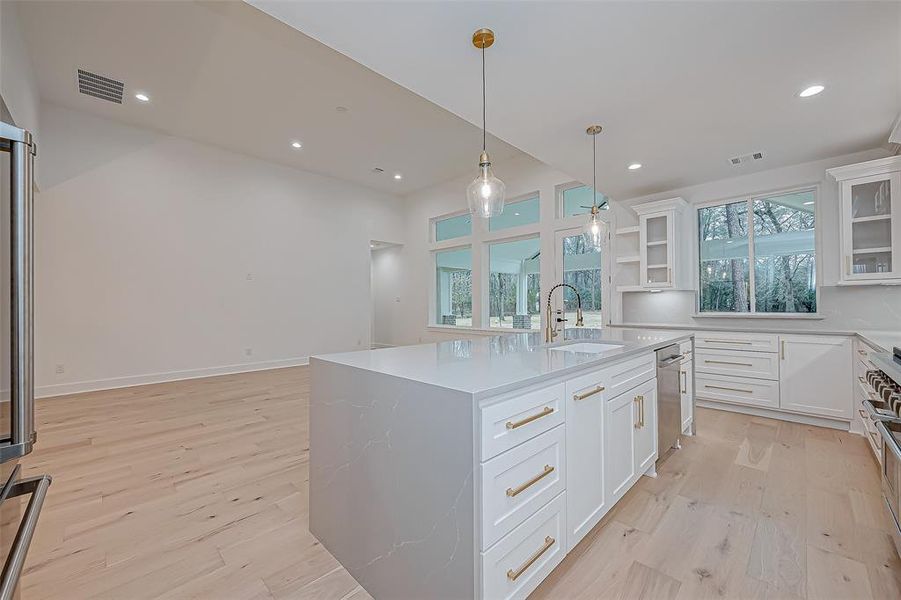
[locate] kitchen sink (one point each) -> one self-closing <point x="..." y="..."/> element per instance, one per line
<point x="587" y="347"/>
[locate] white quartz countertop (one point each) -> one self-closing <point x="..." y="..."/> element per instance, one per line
<point x="885" y="339"/>
<point x="496" y="364"/>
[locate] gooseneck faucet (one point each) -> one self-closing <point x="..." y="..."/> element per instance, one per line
<point x="550" y="328"/>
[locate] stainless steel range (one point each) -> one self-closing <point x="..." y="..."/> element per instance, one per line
<point x="883" y="408"/>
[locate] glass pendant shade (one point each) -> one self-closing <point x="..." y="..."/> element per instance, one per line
<point x="593" y="230"/>
<point x="485" y="194"/>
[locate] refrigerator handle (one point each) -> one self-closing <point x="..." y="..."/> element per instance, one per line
<point x="21" y="148"/>
<point x="12" y="570"/>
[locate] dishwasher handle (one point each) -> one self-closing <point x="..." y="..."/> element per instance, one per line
<point x="669" y="361"/>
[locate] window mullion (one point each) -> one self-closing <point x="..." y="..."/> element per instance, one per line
<point x="752" y="291"/>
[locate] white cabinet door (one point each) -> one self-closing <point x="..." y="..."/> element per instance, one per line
<point x="656" y="235"/>
<point x="816" y="375"/>
<point x="687" y="393"/>
<point x="585" y="502"/>
<point x="645" y="401"/>
<point x="620" y="418"/>
<point x="871" y="226"/>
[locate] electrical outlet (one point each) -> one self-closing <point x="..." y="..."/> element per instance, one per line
<point x="60" y="369"/>
<point x="248" y="351"/>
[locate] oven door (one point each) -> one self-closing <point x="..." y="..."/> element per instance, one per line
<point x="891" y="478"/>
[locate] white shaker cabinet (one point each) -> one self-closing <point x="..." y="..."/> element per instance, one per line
<point x="870" y="221"/>
<point x="659" y="232"/>
<point x="585" y="502"/>
<point x="621" y="417"/>
<point x="645" y="441"/>
<point x="815" y="375"/>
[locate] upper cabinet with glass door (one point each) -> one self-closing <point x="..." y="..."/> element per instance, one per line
<point x="870" y="221"/>
<point x="658" y="223"/>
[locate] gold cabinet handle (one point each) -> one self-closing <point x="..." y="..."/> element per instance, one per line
<point x="862" y="413"/>
<point x="514" y="424"/>
<point x="641" y="401"/>
<point x="589" y="393"/>
<point x="731" y="389"/>
<point x="513" y="492"/>
<point x="514" y="575"/>
<point x="862" y="352"/>
<point x="783" y="349"/>
<point x="726" y="362"/>
<point x="745" y="343"/>
<point x="861" y="379"/>
<point x="684" y="376"/>
<point x="637" y="423"/>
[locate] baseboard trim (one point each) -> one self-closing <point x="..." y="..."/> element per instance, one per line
<point x="64" y="389"/>
<point x="775" y="414"/>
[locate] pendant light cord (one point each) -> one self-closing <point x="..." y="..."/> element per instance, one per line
<point x="594" y="170"/>
<point x="484" y="100"/>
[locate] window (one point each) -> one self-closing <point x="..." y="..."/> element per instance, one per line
<point x="582" y="270"/>
<point x="453" y="227"/>
<point x="516" y="214"/>
<point x="513" y="284"/>
<point x="773" y="233"/>
<point x="453" y="269"/>
<point x="575" y="199"/>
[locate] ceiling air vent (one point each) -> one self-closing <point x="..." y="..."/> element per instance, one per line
<point x="99" y="86"/>
<point x="745" y="158"/>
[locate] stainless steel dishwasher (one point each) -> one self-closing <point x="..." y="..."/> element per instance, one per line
<point x="669" y="400"/>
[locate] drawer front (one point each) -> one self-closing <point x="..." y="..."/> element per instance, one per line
<point x="515" y="420"/>
<point x="614" y="380"/>
<point x="862" y="353"/>
<point x="626" y="375"/>
<point x="737" y="390"/>
<point x="754" y="342"/>
<point x="515" y="566"/>
<point x="737" y="363"/>
<point x="517" y="483"/>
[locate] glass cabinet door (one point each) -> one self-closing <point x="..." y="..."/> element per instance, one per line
<point x="656" y="250"/>
<point x="871" y="227"/>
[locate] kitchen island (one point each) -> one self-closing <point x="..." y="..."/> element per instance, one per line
<point x="468" y="469"/>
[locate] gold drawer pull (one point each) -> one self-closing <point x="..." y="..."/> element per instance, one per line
<point x="726" y="362"/>
<point x="684" y="376"/>
<point x="861" y="379"/>
<point x="862" y="352"/>
<point x="514" y="575"/>
<point x="876" y="439"/>
<point x="514" y="424"/>
<point x="584" y="395"/>
<point x="729" y="342"/>
<point x="719" y="387"/>
<point x="862" y="413"/>
<point x="512" y="492"/>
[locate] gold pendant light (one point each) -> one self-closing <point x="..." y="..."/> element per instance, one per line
<point x="485" y="195"/>
<point x="593" y="231"/>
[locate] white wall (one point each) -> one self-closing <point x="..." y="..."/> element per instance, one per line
<point x="18" y="86"/>
<point x="843" y="308"/>
<point x="159" y="258"/>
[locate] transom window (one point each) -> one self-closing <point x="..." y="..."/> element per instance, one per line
<point x="758" y="254"/>
<point x="453" y="227"/>
<point x="575" y="199"/>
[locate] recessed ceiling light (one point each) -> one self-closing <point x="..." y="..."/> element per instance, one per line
<point x="811" y="91"/>
<point x="142" y="97"/>
<point x="808" y="203"/>
<point x="296" y="145"/>
<point x="398" y="176"/>
<point x="515" y="214"/>
<point x="634" y="166"/>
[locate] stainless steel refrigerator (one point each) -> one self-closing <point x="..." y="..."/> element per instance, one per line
<point x="18" y="518"/>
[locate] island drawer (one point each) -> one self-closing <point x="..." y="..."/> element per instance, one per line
<point x="519" y="418"/>
<point x="515" y="566"/>
<point x="518" y="482"/>
<point x="754" y="342"/>
<point x="760" y="365"/>
<point x="614" y="380"/>
<point x="737" y="390"/>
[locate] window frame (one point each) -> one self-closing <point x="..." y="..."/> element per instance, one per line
<point x="752" y="289"/>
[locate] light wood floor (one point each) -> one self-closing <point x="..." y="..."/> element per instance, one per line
<point x="198" y="489"/>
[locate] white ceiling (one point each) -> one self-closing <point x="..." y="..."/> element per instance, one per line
<point x="678" y="86"/>
<point x="229" y="75"/>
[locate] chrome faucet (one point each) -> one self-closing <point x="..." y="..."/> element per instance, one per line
<point x="550" y="328"/>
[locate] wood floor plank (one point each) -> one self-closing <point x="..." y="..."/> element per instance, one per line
<point x="200" y="489"/>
